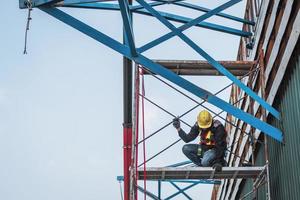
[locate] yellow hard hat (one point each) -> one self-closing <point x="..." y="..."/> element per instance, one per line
<point x="204" y="119"/>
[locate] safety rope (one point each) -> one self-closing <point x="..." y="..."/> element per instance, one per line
<point x="143" y="127"/>
<point x="28" y="3"/>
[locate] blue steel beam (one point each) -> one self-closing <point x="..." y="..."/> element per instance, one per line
<point x="169" y="75"/>
<point x="168" y="1"/>
<point x="98" y="6"/>
<point x="188" y="25"/>
<point x="159" y="189"/>
<point x="35" y="3"/>
<point x="199" y="8"/>
<point x="172" y="17"/>
<point x="180" y="164"/>
<point x="81" y="1"/>
<point x="120" y="178"/>
<point x="201" y="181"/>
<point x="124" y="6"/>
<point x="106" y="6"/>
<point x="137" y="7"/>
<point x="213" y="62"/>
<point x="207" y="25"/>
<point x="88" y="30"/>
<point x="149" y="194"/>
<point x="209" y="97"/>
<point x="181" y="191"/>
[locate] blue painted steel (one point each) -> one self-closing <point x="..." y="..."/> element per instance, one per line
<point x="200" y="181"/>
<point x="22" y="3"/>
<point x="213" y="62"/>
<point x="209" y="97"/>
<point x="203" y="181"/>
<point x="207" y="25"/>
<point x="98" y="6"/>
<point x="80" y="1"/>
<point x="120" y="178"/>
<point x="138" y="9"/>
<point x="107" y="6"/>
<point x="169" y="75"/>
<point x="159" y="189"/>
<point x="87" y="30"/>
<point x="149" y="194"/>
<point x="189" y="24"/>
<point x="36" y="3"/>
<point x="199" y="8"/>
<point x="181" y="191"/>
<point x="180" y="164"/>
<point x="128" y="26"/>
<point x="168" y="1"/>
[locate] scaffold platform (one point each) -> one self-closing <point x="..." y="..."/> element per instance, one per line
<point x="165" y="173"/>
<point x="204" y="68"/>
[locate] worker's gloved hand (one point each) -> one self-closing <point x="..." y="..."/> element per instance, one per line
<point x="199" y="152"/>
<point x="176" y="123"/>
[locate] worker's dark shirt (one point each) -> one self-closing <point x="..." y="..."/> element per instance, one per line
<point x="219" y="137"/>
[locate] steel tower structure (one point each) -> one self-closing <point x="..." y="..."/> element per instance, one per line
<point x="164" y="69"/>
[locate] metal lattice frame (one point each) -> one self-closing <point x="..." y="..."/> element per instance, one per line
<point x="130" y="51"/>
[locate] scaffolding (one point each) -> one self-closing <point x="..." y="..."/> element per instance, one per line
<point x="180" y="171"/>
<point x="171" y="70"/>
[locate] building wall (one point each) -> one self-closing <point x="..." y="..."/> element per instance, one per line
<point x="276" y="33"/>
<point x="283" y="158"/>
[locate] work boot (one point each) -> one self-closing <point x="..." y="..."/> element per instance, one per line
<point x="224" y="163"/>
<point x="217" y="167"/>
<point x="246" y="164"/>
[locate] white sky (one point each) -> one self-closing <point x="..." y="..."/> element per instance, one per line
<point x="61" y="105"/>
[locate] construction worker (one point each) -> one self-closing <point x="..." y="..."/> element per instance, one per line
<point x="211" y="149"/>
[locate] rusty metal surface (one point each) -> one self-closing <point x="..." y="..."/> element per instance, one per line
<point x="203" y="68"/>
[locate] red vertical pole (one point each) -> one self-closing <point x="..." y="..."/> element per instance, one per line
<point x="127" y="125"/>
<point x="127" y="142"/>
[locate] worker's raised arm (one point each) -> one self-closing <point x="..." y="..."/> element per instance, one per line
<point x="194" y="132"/>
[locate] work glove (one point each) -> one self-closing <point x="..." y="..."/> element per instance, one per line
<point x="176" y="123"/>
<point x="199" y="152"/>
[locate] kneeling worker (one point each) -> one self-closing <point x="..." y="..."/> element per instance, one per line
<point x="211" y="149"/>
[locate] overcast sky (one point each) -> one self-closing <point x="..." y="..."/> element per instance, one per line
<point x="61" y="104"/>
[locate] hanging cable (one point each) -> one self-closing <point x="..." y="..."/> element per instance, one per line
<point x="28" y="3"/>
<point x="143" y="127"/>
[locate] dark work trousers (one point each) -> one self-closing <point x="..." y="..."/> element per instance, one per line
<point x="205" y="160"/>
